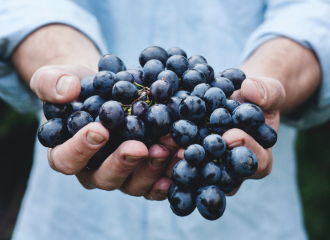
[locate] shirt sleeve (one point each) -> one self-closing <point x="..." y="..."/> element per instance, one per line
<point x="18" y="19"/>
<point x="306" y="22"/>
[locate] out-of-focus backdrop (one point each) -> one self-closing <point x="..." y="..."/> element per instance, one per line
<point x="17" y="136"/>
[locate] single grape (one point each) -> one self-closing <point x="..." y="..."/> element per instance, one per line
<point x="92" y="105"/>
<point x="153" y="53"/>
<point x="182" y="94"/>
<point x="53" y="132"/>
<point x="176" y="51"/>
<point x="192" y="108"/>
<point x="173" y="104"/>
<point x="211" y="202"/>
<point x="139" y="109"/>
<point x="214" y="146"/>
<point x="103" y="83"/>
<point x="182" y="202"/>
<point x="124" y="76"/>
<point x="195" y="59"/>
<point x="78" y="120"/>
<point x="200" y="90"/>
<point x="235" y="75"/>
<point x="161" y="91"/>
<point x="112" y="63"/>
<point x="138" y="76"/>
<point x="211" y="173"/>
<point x="124" y="92"/>
<point x="243" y="161"/>
<point x="214" y="98"/>
<point x="52" y="110"/>
<point x="158" y="119"/>
<point x="186" y="176"/>
<point x="203" y="132"/>
<point x="232" y="104"/>
<point x="87" y="88"/>
<point x="194" y="154"/>
<point x="224" y="84"/>
<point x="111" y="114"/>
<point x="178" y="64"/>
<point x="207" y="70"/>
<point x="248" y="117"/>
<point x="265" y="135"/>
<point x="171" y="77"/>
<point x="192" y="78"/>
<point x="132" y="128"/>
<point x="220" y="121"/>
<point x="151" y="70"/>
<point x="229" y="180"/>
<point x="76" y="106"/>
<point x="184" y="133"/>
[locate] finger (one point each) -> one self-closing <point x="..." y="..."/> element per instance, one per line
<point x="174" y="160"/>
<point x="58" y="83"/>
<point x="168" y="142"/>
<point x="116" y="168"/>
<point x="236" y="137"/>
<point x="267" y="93"/>
<point x="73" y="155"/>
<point x="159" y="190"/>
<point x="147" y="172"/>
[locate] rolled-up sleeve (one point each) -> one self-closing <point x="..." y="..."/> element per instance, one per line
<point x="18" y="19"/>
<point x="308" y="23"/>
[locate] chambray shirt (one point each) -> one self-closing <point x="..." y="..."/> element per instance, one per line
<point x="56" y="206"/>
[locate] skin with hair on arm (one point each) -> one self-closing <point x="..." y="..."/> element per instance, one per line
<point x="64" y="56"/>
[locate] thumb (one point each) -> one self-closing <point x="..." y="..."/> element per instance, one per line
<point x="267" y="93"/>
<point x="58" y="83"/>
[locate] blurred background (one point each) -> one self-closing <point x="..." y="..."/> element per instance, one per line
<point x="17" y="136"/>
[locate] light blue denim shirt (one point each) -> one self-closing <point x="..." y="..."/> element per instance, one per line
<point x="225" y="33"/>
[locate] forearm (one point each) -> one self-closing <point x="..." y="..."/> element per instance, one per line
<point x="296" y="67"/>
<point x="52" y="45"/>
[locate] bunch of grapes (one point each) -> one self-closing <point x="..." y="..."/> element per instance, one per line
<point x="169" y="94"/>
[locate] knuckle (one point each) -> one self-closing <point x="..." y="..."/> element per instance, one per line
<point x="82" y="151"/>
<point x="105" y="185"/>
<point x="66" y="169"/>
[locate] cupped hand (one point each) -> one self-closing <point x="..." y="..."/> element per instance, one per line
<point x="132" y="168"/>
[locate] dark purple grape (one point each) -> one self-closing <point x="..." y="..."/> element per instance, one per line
<point x="176" y="51"/>
<point x="195" y="59"/>
<point x="53" y="133"/>
<point x="151" y="70"/>
<point x="207" y="70"/>
<point x="186" y="176"/>
<point x="211" y="202"/>
<point x="159" y="119"/>
<point x="184" y="133"/>
<point x="87" y="89"/>
<point x="92" y="105"/>
<point x="103" y="83"/>
<point x="265" y="135"/>
<point x="229" y="180"/>
<point x="192" y="108"/>
<point x="78" y="120"/>
<point x="232" y="104"/>
<point x="214" y="98"/>
<point x="173" y="104"/>
<point x="139" y="109"/>
<point x="200" y="90"/>
<point x="138" y="76"/>
<point x="248" y="117"/>
<point x="235" y="75"/>
<point x="111" y="63"/>
<point x="111" y="114"/>
<point x="132" y="128"/>
<point x="124" y="92"/>
<point x="203" y="132"/>
<point x="171" y="77"/>
<point x="194" y="154"/>
<point x="243" y="161"/>
<point x="182" y="94"/>
<point x="192" y="78"/>
<point x="171" y="190"/>
<point x="76" y="106"/>
<point x="161" y="91"/>
<point x="224" y="84"/>
<point x="153" y="53"/>
<point x="211" y="173"/>
<point x="214" y="146"/>
<point x="52" y="110"/>
<point x="182" y="202"/>
<point x="124" y="76"/>
<point x="220" y="121"/>
<point x="178" y="64"/>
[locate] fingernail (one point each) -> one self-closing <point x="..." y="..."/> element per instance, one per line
<point x="158" y="162"/>
<point x="235" y="144"/>
<point x="132" y="159"/>
<point x="260" y="88"/>
<point x="63" y="85"/>
<point x="94" y="138"/>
